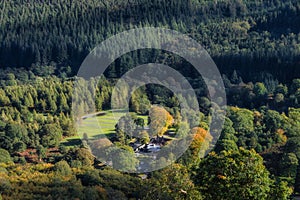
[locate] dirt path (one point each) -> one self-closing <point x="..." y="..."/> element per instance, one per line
<point x="94" y="114"/>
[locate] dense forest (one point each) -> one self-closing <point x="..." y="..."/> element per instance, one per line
<point x="256" y="46"/>
<point x="252" y="37"/>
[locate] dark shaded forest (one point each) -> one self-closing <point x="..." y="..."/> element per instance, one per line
<point x="252" y="37"/>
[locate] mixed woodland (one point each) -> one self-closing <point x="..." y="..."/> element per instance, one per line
<point x="256" y="46"/>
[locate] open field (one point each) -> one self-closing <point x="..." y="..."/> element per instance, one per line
<point x="98" y="126"/>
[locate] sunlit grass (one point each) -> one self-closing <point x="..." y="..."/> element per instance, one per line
<point x="99" y="126"/>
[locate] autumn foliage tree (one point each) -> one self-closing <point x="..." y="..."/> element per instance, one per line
<point x="160" y="120"/>
<point x="200" y="142"/>
<point x="172" y="182"/>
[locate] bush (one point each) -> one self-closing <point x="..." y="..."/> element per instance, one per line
<point x="4" y="156"/>
<point x="63" y="168"/>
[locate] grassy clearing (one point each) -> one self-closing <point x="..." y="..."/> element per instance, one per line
<point x="98" y="126"/>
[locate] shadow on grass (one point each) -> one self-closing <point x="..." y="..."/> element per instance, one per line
<point x="110" y="135"/>
<point x="72" y="142"/>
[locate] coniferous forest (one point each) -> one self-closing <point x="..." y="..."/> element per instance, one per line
<point x="256" y="47"/>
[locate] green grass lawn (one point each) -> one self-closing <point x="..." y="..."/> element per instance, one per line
<point x="98" y="126"/>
